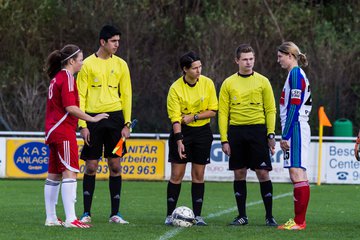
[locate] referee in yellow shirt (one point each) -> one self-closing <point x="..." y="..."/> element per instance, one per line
<point x="247" y="129"/>
<point x="191" y="102"/>
<point x="104" y="86"/>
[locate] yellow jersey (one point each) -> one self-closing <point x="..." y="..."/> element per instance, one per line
<point x="104" y="85"/>
<point x="246" y="100"/>
<point x="184" y="99"/>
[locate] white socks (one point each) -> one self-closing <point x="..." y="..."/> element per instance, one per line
<point x="51" y="193"/>
<point x="68" y="193"/>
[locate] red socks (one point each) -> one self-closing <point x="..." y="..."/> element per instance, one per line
<point x="301" y="200"/>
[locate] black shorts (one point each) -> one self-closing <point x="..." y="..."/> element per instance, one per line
<point x="249" y="147"/>
<point x="197" y="142"/>
<point x="103" y="135"/>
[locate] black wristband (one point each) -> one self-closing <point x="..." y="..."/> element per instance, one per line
<point x="178" y="136"/>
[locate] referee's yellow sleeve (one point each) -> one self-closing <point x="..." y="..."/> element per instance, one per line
<point x="213" y="101"/>
<point x="269" y="107"/>
<point x="173" y="106"/>
<point x="82" y="85"/>
<point x="126" y="93"/>
<point x="224" y="112"/>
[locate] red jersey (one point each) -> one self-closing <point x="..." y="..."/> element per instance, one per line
<point x="59" y="124"/>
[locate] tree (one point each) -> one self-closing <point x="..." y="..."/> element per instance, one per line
<point x="157" y="33"/>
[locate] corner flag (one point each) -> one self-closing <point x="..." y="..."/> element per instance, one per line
<point x="323" y="121"/>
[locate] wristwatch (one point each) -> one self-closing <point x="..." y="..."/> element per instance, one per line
<point x="271" y="136"/>
<point x="128" y="124"/>
<point x="196" y="117"/>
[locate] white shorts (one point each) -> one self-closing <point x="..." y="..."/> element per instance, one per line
<point x="298" y="154"/>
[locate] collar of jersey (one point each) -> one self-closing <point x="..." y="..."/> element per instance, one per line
<point x="190" y="85"/>
<point x="245" y="75"/>
<point x="98" y="56"/>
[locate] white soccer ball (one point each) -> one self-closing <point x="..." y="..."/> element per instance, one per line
<point x="183" y="217"/>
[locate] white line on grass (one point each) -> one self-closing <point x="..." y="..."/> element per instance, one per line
<point x="173" y="232"/>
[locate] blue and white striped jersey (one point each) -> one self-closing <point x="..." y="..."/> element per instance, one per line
<point x="295" y="101"/>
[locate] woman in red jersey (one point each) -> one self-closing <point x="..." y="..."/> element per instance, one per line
<point x="62" y="114"/>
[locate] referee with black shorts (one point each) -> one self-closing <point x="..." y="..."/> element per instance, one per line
<point x="104" y="85"/>
<point x="247" y="114"/>
<point x="191" y="102"/>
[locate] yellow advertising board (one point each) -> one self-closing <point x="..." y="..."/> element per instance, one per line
<point x="28" y="158"/>
<point x="145" y="160"/>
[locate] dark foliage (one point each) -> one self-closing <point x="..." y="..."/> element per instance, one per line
<point x="156" y="33"/>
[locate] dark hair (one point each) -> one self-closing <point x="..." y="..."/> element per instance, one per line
<point x="108" y="31"/>
<point x="187" y="59"/>
<point x="243" y="48"/>
<point x="59" y="58"/>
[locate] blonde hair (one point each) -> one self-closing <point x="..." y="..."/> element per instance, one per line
<point x="291" y="48"/>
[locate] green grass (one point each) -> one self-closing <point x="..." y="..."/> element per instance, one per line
<point x="332" y="214"/>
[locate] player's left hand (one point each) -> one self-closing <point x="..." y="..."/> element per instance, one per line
<point x="125" y="132"/>
<point x="284" y="144"/>
<point x="271" y="144"/>
<point x="272" y="150"/>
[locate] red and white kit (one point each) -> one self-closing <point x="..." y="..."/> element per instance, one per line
<point x="60" y="126"/>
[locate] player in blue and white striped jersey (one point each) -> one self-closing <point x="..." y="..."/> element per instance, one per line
<point x="295" y="108"/>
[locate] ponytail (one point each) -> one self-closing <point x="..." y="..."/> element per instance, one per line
<point x="291" y="48"/>
<point x="53" y="63"/>
<point x="303" y="60"/>
<point x="59" y="58"/>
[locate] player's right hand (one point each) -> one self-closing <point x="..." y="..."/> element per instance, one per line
<point x="226" y="149"/>
<point x="181" y="149"/>
<point x="186" y="119"/>
<point x="100" y="117"/>
<point x="85" y="134"/>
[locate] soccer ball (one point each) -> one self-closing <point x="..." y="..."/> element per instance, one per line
<point x="183" y="217"/>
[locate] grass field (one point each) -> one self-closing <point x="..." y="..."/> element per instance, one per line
<point x="333" y="213"/>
